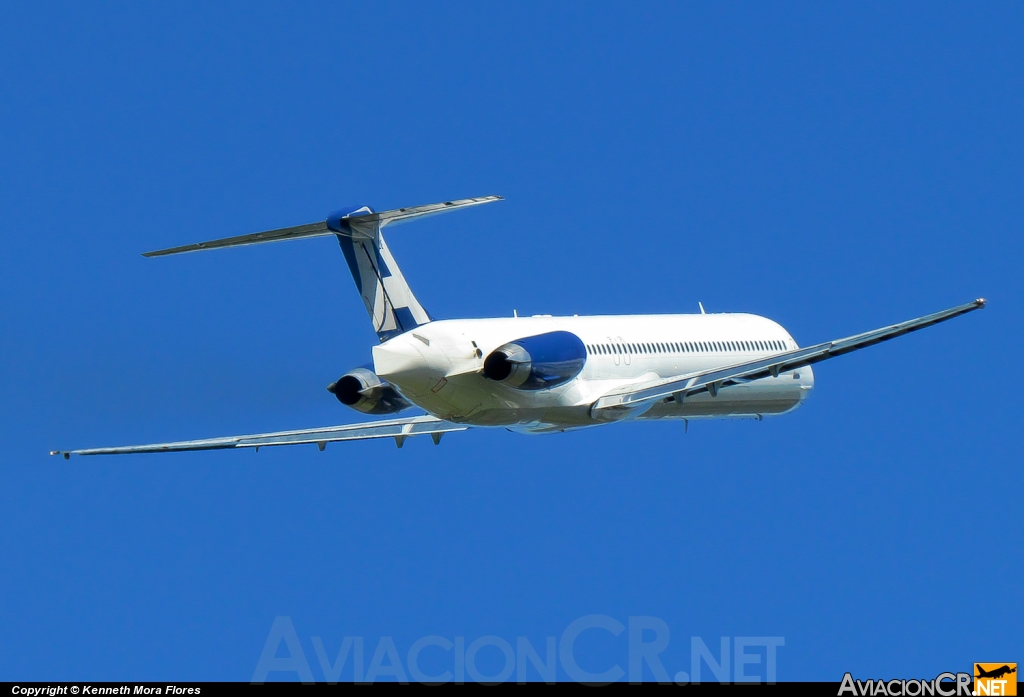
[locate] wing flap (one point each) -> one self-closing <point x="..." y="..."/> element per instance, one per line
<point x="712" y="380"/>
<point x="399" y="429"/>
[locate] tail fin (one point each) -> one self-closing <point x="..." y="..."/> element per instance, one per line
<point x="388" y="298"/>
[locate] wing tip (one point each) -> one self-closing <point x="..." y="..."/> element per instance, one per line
<point x="65" y="453"/>
<point x="981" y="302"/>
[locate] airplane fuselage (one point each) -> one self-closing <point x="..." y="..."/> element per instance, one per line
<point x="439" y="367"/>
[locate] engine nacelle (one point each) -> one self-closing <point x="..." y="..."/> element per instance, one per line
<point x="362" y="390"/>
<point x="537" y="362"/>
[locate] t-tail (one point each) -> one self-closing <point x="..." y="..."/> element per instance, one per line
<point x="392" y="306"/>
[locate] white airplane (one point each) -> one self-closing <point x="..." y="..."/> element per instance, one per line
<point x="537" y="374"/>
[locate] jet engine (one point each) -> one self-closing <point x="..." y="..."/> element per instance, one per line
<point x="537" y="362"/>
<point x="362" y="390"/>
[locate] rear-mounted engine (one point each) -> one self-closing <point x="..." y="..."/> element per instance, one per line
<point x="362" y="390"/>
<point x="537" y="362"/>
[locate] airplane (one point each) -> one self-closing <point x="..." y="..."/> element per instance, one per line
<point x="995" y="673"/>
<point x="538" y="374"/>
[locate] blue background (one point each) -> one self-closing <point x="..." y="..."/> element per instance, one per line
<point x="833" y="167"/>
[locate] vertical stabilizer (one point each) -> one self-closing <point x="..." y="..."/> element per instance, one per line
<point x="392" y="306"/>
<point x="390" y="302"/>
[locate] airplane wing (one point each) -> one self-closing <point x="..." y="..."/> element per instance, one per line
<point x="399" y="429"/>
<point x="711" y="381"/>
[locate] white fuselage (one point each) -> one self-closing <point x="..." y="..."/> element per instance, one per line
<point x="438" y="367"/>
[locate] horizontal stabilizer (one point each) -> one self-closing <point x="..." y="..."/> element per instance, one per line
<point x="403" y="215"/>
<point x="348" y="222"/>
<point x="285" y="233"/>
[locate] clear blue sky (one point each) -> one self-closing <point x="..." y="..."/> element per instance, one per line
<point x="833" y="167"/>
